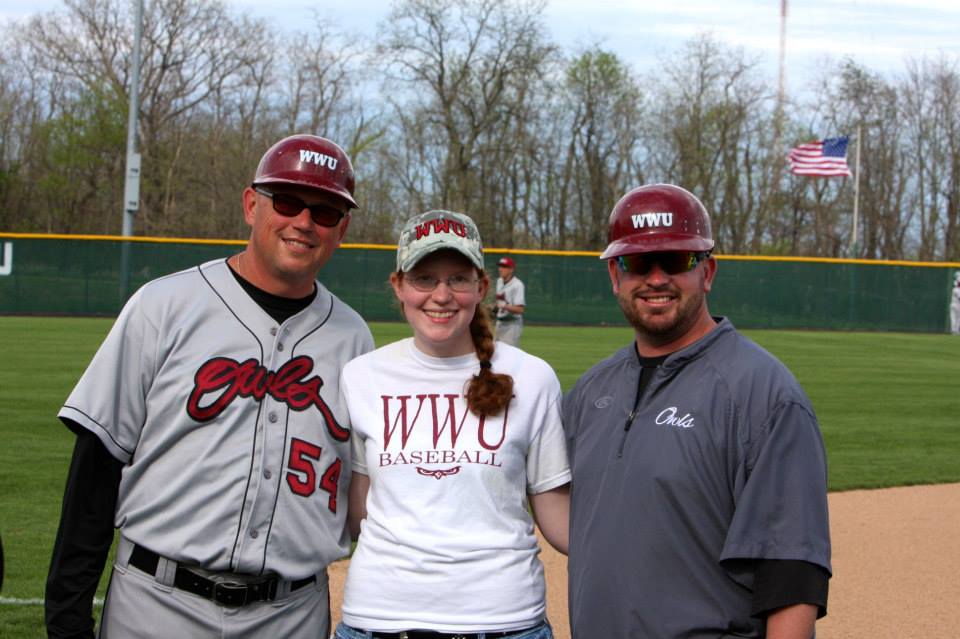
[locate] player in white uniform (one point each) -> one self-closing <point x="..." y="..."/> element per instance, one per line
<point x="511" y="303"/>
<point x="453" y="438"/>
<point x="955" y="305"/>
<point x="212" y="433"/>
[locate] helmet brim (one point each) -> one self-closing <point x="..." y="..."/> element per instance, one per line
<point x="342" y="194"/>
<point x="656" y="243"/>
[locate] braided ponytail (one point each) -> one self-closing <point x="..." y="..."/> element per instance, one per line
<point x="488" y="393"/>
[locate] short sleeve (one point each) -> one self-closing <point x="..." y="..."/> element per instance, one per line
<point x="520" y="295"/>
<point x="781" y="509"/>
<point x="358" y="452"/>
<point x="570" y="417"/>
<point x="547" y="463"/>
<point x="111" y="397"/>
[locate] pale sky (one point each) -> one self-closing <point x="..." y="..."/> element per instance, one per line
<point x="879" y="34"/>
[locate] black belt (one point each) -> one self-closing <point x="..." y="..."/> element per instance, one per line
<point x="225" y="593"/>
<point x="433" y="634"/>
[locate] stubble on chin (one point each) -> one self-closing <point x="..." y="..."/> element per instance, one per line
<point x="663" y="326"/>
<point x="628" y="305"/>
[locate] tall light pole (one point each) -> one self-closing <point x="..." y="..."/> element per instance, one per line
<point x="131" y="191"/>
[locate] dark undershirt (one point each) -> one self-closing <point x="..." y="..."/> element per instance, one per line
<point x="279" y="308"/>
<point x="89" y="505"/>
<point x="84" y="537"/>
<point x="777" y="583"/>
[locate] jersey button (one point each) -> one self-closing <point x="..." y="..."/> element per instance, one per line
<point x="267" y="474"/>
<point x="272" y="417"/>
<point x="280" y="347"/>
<point x="273" y="331"/>
<point x="254" y="534"/>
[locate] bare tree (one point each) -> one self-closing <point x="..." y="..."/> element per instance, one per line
<point x="852" y="97"/>
<point x="479" y="111"/>
<point x="192" y="49"/>
<point x="21" y="112"/>
<point x="460" y="67"/>
<point x="704" y="131"/>
<point x="604" y="114"/>
<point x="931" y="107"/>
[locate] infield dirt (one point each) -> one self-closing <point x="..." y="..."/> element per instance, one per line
<point x="896" y="567"/>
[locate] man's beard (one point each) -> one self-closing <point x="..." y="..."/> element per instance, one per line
<point x="663" y="327"/>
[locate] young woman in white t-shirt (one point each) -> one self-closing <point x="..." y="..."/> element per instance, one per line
<point x="454" y="442"/>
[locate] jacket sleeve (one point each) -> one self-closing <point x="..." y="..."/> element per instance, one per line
<point x="83" y="538"/>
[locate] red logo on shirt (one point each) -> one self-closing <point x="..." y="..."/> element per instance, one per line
<point x="447" y="415"/>
<point x="438" y="474"/>
<point x="232" y="379"/>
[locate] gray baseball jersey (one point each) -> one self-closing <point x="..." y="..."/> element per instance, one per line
<point x="955" y="309"/>
<point x="232" y="427"/>
<point x="723" y="462"/>
<point x="512" y="293"/>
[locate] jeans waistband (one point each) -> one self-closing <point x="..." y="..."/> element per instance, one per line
<point x="434" y="634"/>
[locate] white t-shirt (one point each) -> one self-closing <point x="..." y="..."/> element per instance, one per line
<point x="448" y="543"/>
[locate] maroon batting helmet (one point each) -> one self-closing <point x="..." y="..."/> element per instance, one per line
<point x="658" y="217"/>
<point x="309" y="161"/>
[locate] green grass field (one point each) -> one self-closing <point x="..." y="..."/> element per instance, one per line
<point x="887" y="402"/>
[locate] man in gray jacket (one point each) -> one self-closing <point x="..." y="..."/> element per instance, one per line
<point x="699" y="492"/>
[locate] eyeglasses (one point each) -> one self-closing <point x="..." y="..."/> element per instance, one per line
<point x="426" y="283"/>
<point x="672" y="262"/>
<point x="290" y="206"/>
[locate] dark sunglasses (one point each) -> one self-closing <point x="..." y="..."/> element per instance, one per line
<point x="672" y="262"/>
<point x="290" y="206"/>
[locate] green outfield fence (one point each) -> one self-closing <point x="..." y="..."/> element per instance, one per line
<point x="83" y="275"/>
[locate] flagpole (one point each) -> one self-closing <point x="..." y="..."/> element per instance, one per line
<point x="781" y="90"/>
<point x="854" y="252"/>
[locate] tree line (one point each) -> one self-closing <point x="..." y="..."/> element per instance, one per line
<point x="466" y="105"/>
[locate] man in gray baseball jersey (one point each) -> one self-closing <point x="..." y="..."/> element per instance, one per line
<point x="211" y="431"/>
<point x="699" y="491"/>
<point x="511" y="303"/>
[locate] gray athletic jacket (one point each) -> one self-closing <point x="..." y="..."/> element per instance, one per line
<point x="722" y="464"/>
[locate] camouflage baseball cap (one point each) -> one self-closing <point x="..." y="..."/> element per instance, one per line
<point x="436" y="230"/>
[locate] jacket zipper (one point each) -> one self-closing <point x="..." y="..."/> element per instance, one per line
<point x="626" y="430"/>
<point x="633" y="413"/>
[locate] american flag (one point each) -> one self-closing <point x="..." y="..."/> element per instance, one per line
<point x="826" y="158"/>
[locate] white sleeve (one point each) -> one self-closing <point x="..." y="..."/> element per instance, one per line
<point x="547" y="464"/>
<point x="351" y="398"/>
<point x="358" y="452"/>
<point x="519" y="298"/>
<point x="110" y="400"/>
